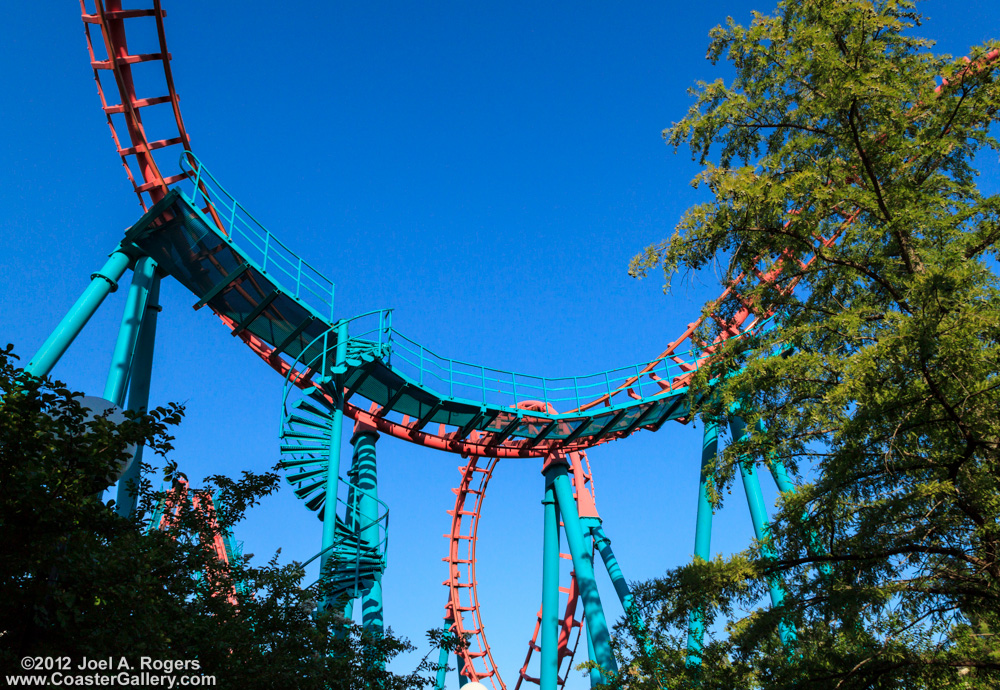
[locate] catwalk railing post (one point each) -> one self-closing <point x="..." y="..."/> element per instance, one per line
<point x="702" y="535"/>
<point x="365" y="468"/>
<point x="138" y="394"/>
<point x="102" y="283"/>
<point x="556" y="474"/>
<point x="128" y="332"/>
<point x="333" y="464"/>
<point x="758" y="515"/>
<point x="548" y="677"/>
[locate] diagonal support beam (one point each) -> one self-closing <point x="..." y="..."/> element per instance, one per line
<point x="606" y="429"/>
<point x="578" y="432"/>
<point x="470" y="425"/>
<point x="392" y="401"/>
<point x="219" y="287"/>
<point x="422" y="422"/>
<point x="257" y="311"/>
<point x="506" y="432"/>
<point x="548" y="429"/>
<point x="638" y="421"/>
<point x="283" y="345"/>
<point x="366" y="371"/>
<point x="102" y="283"/>
<point x="671" y="408"/>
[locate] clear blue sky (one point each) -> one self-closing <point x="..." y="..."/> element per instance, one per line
<point x="485" y="169"/>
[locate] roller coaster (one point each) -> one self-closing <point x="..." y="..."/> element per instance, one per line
<point x="360" y="367"/>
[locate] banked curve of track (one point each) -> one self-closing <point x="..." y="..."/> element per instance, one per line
<point x="627" y="410"/>
<point x="614" y="412"/>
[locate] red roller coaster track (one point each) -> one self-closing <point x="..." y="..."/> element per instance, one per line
<point x="110" y="57"/>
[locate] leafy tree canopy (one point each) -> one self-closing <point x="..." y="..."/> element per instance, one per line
<point x="77" y="580"/>
<point x="846" y="153"/>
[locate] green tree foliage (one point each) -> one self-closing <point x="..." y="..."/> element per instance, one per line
<point x="886" y="399"/>
<point x="76" y="580"/>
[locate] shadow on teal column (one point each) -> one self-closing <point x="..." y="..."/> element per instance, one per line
<point x="365" y="468"/>
<point x="702" y="536"/>
<point x="128" y="333"/>
<point x="138" y="395"/>
<point x="758" y="515"/>
<point x="548" y="676"/>
<point x="555" y="474"/>
<point x="333" y="459"/>
<point x="594" y="674"/>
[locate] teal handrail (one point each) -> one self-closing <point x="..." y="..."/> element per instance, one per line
<point x="246" y="233"/>
<point x="457" y="379"/>
<point x="448" y="378"/>
<point x="354" y="519"/>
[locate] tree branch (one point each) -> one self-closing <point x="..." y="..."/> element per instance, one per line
<point x="869" y="168"/>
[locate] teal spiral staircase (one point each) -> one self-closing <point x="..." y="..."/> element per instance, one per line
<point x="357" y="557"/>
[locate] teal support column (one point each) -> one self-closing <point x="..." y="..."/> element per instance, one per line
<point x="786" y="486"/>
<point x="702" y="535"/>
<point x="780" y="475"/>
<point x="603" y="545"/>
<point x="778" y="471"/>
<point x="333" y="462"/>
<point x="555" y="474"/>
<point x="368" y="509"/>
<point x="442" y="667"/>
<point x="138" y="395"/>
<point x="758" y="515"/>
<point x="595" y="674"/>
<point x="128" y="333"/>
<point x="102" y="283"/>
<point x="548" y="676"/>
<point x="352" y="524"/>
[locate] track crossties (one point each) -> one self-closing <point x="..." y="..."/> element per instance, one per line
<point x="283" y="308"/>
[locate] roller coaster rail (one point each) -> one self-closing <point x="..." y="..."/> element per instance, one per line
<point x="256" y="242"/>
<point x="282" y="307"/>
<point x="452" y="378"/>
